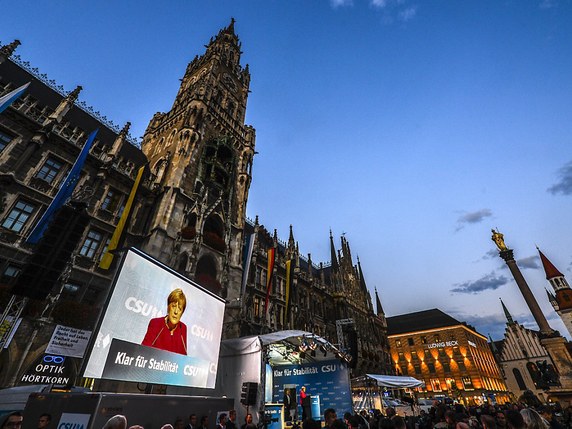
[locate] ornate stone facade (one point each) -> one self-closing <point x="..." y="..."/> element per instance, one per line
<point x="190" y="212"/>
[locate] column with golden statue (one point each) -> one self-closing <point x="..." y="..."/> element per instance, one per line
<point x="552" y="341"/>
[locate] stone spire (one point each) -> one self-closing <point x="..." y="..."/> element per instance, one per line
<point x="6" y="51"/>
<point x="121" y="137"/>
<point x="509" y="318"/>
<point x="333" y="254"/>
<point x="378" y="304"/>
<point x="64" y="107"/>
<point x="361" y="277"/>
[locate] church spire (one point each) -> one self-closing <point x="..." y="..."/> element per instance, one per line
<point x="361" y="277"/>
<point x="549" y="269"/>
<point x="509" y="318"/>
<point x="333" y="255"/>
<point x="379" y="308"/>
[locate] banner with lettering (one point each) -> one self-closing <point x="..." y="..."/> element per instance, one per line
<point x="327" y="379"/>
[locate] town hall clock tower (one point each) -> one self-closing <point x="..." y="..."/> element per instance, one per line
<point x="200" y="155"/>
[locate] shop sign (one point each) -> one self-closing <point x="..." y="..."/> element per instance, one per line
<point x="451" y="343"/>
<point x="49" y="369"/>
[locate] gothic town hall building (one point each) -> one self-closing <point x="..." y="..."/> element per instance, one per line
<point x="190" y="212"/>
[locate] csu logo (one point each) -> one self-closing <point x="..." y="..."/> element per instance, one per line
<point x="329" y="368"/>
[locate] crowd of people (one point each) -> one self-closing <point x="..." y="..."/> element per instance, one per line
<point x="440" y="416"/>
<point x="457" y="416"/>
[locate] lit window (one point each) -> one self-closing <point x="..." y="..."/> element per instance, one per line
<point x="9" y="274"/>
<point x="71" y="289"/>
<point x="91" y="244"/>
<point x="111" y="201"/>
<point x="436" y="385"/>
<point x="4" y="140"/>
<point x="398" y="343"/>
<point x="467" y="383"/>
<point x="49" y="170"/>
<point x="18" y="216"/>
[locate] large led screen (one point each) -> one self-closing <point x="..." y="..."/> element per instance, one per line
<point x="157" y="328"/>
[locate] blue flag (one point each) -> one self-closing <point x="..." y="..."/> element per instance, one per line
<point x="64" y="192"/>
<point x="7" y="99"/>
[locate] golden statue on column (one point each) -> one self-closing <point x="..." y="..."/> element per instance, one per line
<point x="498" y="238"/>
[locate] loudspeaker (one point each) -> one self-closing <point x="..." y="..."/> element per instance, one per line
<point x="248" y="394"/>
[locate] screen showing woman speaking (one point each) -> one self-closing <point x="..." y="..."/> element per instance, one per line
<point x="158" y="327"/>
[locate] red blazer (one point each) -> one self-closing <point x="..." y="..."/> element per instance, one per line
<point x="159" y="336"/>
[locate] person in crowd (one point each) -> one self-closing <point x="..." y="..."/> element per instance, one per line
<point x="329" y="417"/>
<point x="463" y="421"/>
<point x="167" y="426"/>
<point x="116" y="422"/>
<point x="44" y="421"/>
<point x="363" y="414"/>
<point x="424" y="420"/>
<point x="179" y="423"/>
<point x="338" y="424"/>
<point x="547" y="414"/>
<point x="440" y="422"/>
<point x="248" y="422"/>
<point x="169" y="333"/>
<point x="386" y="423"/>
<point x="311" y="424"/>
<point x="488" y="421"/>
<point x="354" y="422"/>
<point x="532" y="419"/>
<point x="500" y="419"/>
<point x="204" y="422"/>
<point x="231" y="422"/>
<point x="193" y="423"/>
<point x="514" y="420"/>
<point x="222" y="421"/>
<point x="399" y="422"/>
<point x="390" y="412"/>
<point x="450" y="419"/>
<point x="13" y="421"/>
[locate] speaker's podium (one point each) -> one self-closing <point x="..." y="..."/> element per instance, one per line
<point x="274" y="416"/>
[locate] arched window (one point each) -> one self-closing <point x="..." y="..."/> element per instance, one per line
<point x="519" y="379"/>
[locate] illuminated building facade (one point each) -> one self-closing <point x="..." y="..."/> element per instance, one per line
<point x="451" y="357"/>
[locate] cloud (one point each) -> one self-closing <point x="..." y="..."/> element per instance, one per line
<point x="379" y="4"/>
<point x="341" y="3"/>
<point x="472" y="218"/>
<point x="394" y="10"/>
<point x="408" y="13"/>
<point x="493" y="325"/>
<point x="530" y="262"/>
<point x="564" y="184"/>
<point x="489" y="282"/>
<point x="547" y="4"/>
<point x="491" y="254"/>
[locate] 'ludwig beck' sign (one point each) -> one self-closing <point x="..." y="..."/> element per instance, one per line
<point x="68" y="341"/>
